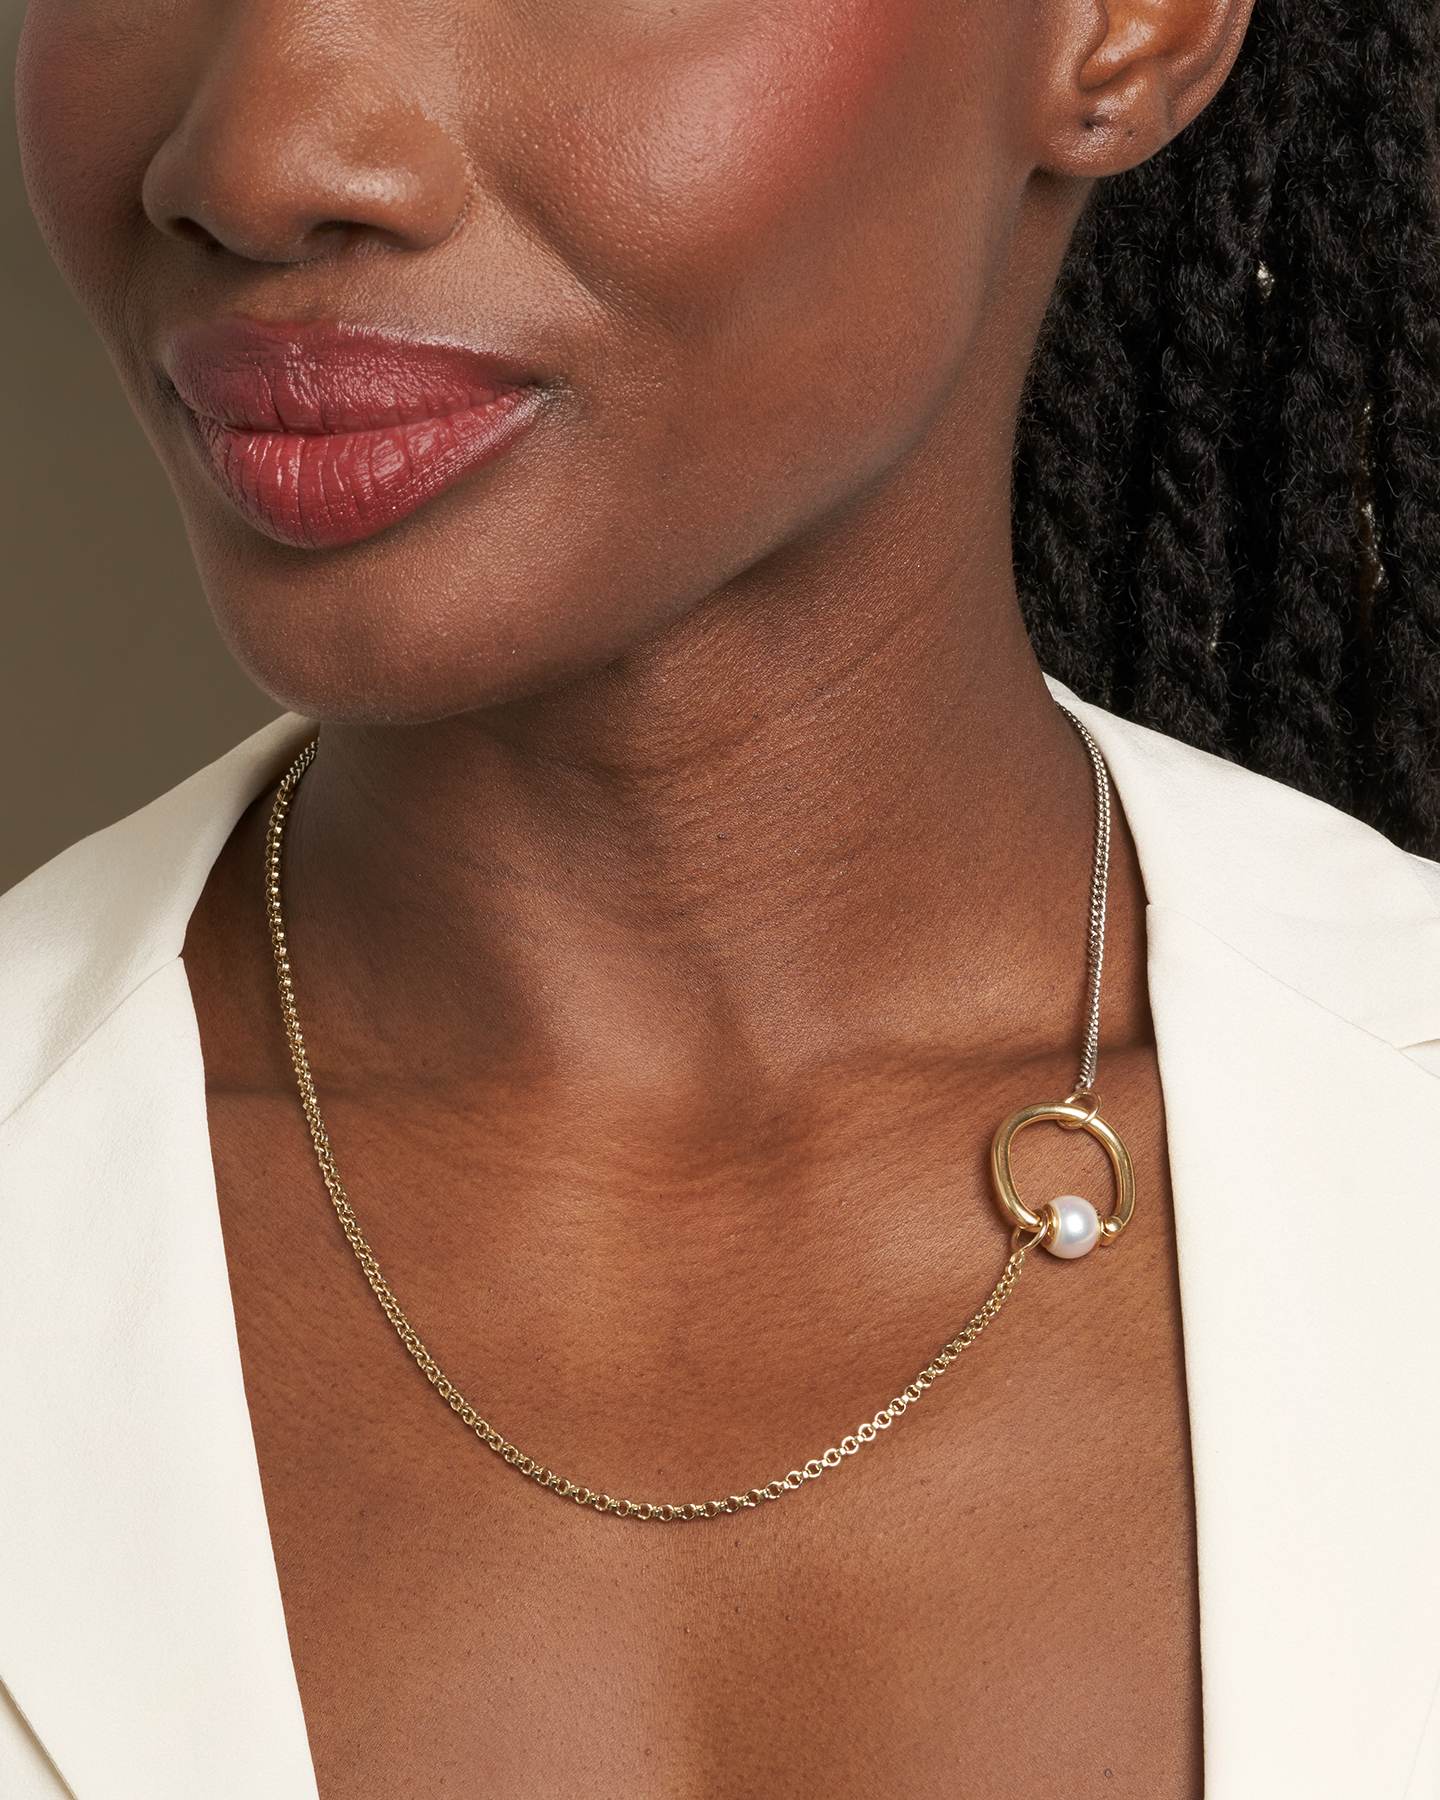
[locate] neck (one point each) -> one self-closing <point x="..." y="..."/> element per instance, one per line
<point x="832" y="813"/>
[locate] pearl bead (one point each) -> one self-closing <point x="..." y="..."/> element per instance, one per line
<point x="1079" y="1228"/>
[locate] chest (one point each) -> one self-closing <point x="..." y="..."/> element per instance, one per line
<point x="996" y="1592"/>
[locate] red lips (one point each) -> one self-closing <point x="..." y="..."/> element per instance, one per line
<point x="321" y="435"/>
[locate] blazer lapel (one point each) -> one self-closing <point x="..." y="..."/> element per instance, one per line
<point x="1293" y="954"/>
<point x="1303" y="1156"/>
<point x="141" y="1630"/>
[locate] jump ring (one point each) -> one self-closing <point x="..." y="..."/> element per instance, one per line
<point x="1078" y="1098"/>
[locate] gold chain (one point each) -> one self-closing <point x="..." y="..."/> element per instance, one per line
<point x="436" y="1376"/>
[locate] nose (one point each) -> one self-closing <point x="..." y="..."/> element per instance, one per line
<point x="296" y="141"/>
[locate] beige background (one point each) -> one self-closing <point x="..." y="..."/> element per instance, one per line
<point x="113" y="682"/>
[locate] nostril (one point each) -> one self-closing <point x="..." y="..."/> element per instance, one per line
<point x="191" y="231"/>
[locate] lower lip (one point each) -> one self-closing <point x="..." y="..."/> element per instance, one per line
<point x="317" y="490"/>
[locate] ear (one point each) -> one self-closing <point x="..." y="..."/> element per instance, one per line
<point x="1131" y="74"/>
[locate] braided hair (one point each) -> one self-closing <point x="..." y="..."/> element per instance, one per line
<point x="1227" y="479"/>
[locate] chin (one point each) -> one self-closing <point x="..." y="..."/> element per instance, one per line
<point x="376" y="666"/>
<point x="400" y="631"/>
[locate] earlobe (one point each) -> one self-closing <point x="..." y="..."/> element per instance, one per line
<point x="1133" y="74"/>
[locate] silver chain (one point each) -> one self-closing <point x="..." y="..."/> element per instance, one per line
<point x="1099" y="883"/>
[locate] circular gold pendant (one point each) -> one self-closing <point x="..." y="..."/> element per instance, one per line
<point x="1077" y="1113"/>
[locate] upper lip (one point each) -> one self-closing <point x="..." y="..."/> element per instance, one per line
<point x="325" y="379"/>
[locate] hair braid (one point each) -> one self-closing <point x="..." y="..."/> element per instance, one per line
<point x="1318" y="352"/>
<point x="1405" y="248"/>
<point x="1071" y="472"/>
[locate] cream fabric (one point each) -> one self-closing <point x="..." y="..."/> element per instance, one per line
<point x="1295" y="983"/>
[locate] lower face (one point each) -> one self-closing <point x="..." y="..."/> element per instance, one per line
<point x="479" y="358"/>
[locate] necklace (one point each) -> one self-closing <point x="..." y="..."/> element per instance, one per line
<point x="1068" y="1226"/>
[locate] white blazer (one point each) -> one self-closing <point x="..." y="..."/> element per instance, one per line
<point x="1294" y="965"/>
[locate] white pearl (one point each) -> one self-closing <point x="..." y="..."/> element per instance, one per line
<point x="1079" y="1229"/>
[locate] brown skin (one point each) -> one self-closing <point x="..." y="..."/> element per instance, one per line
<point x="693" y="874"/>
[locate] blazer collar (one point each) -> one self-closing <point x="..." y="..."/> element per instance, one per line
<point x="1322" y="903"/>
<point x="90" y="927"/>
<point x="1291" y="952"/>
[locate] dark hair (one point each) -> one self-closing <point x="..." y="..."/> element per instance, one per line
<point x="1227" y="481"/>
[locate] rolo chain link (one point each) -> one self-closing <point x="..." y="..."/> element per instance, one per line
<point x="436" y="1376"/>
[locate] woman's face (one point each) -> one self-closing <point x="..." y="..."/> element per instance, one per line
<point x="482" y="339"/>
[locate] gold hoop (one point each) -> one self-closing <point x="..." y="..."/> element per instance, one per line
<point x="1071" y="1118"/>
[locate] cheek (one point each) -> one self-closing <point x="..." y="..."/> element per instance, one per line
<point x="753" y="135"/>
<point x="90" y="88"/>
<point x="769" y="142"/>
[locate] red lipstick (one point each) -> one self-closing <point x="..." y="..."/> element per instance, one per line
<point x="321" y="435"/>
